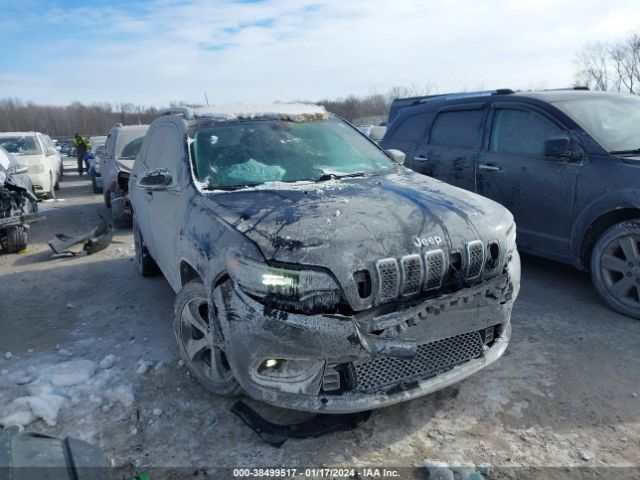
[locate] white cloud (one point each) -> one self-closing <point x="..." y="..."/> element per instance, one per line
<point x="309" y="50"/>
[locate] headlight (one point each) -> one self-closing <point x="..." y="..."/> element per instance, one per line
<point x="305" y="291"/>
<point x="36" y="168"/>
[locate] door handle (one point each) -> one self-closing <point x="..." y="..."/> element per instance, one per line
<point x="421" y="158"/>
<point x="489" y="168"/>
<point x="149" y="195"/>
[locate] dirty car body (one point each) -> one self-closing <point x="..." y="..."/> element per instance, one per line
<point x="335" y="280"/>
<point x="18" y="204"/>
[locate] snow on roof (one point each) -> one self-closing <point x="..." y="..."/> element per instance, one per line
<point x="297" y="112"/>
<point x="17" y="134"/>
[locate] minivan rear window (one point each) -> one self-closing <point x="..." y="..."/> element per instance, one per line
<point x="460" y="128"/>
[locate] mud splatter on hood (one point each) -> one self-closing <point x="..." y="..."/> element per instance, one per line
<point x="361" y="219"/>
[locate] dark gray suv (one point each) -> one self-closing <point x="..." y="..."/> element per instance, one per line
<point x="565" y="162"/>
<point x="313" y="271"/>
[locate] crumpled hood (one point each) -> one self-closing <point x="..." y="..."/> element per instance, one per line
<point x="359" y="220"/>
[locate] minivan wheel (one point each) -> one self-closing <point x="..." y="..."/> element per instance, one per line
<point x="199" y="342"/>
<point x="147" y="266"/>
<point x="615" y="267"/>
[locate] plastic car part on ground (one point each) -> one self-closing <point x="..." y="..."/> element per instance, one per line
<point x="276" y="434"/>
<point x="97" y="239"/>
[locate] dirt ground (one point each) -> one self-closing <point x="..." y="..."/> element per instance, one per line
<point x="566" y="394"/>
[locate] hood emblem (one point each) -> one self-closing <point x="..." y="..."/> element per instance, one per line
<point x="427" y="241"/>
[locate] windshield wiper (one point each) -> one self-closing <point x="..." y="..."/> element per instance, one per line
<point x="332" y="176"/>
<point x="231" y="187"/>
<point x="625" y="152"/>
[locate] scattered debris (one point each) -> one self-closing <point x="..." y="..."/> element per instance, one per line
<point x="8" y="355"/>
<point x="107" y="362"/>
<point x="585" y="455"/>
<point x="276" y="434"/>
<point x="157" y="412"/>
<point x="122" y="394"/>
<point x="67" y="373"/>
<point x="143" y="366"/>
<point x="70" y="305"/>
<point x="441" y="470"/>
<point x="98" y="239"/>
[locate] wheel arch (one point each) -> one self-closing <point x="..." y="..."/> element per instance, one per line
<point x="599" y="216"/>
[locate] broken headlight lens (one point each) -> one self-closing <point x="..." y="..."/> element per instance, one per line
<point x="305" y="291"/>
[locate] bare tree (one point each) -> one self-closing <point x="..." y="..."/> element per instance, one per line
<point x="593" y="66"/>
<point x="604" y="66"/>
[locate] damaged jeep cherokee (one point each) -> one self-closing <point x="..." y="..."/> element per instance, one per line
<point x="312" y="270"/>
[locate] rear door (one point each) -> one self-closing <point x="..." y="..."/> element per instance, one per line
<point x="406" y="133"/>
<point x="538" y="190"/>
<point x="450" y="151"/>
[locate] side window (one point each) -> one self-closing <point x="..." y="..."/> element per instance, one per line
<point x="411" y="129"/>
<point x="164" y="148"/>
<point x="461" y="128"/>
<point x="521" y="132"/>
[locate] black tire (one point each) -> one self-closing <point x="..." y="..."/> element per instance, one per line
<point x="120" y="217"/>
<point x="147" y="266"/>
<point x="15" y="239"/>
<point x="94" y="186"/>
<point x="57" y="185"/>
<point x="107" y="198"/>
<point x="206" y="362"/>
<point x="615" y="267"/>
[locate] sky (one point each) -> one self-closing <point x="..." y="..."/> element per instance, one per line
<point x="152" y="52"/>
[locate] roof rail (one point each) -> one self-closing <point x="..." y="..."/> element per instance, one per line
<point x="186" y="112"/>
<point x="479" y="93"/>
<point x="579" y="87"/>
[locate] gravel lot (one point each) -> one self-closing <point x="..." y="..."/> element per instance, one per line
<point x="567" y="393"/>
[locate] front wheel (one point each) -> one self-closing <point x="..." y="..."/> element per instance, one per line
<point x="15" y="239"/>
<point x="121" y="218"/>
<point x="94" y="186"/>
<point x="199" y="342"/>
<point x="52" y="187"/>
<point x="615" y="267"/>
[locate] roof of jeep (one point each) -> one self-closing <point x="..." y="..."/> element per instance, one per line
<point x="130" y="128"/>
<point x="275" y="111"/>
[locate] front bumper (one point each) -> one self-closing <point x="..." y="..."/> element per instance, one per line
<point x="456" y="335"/>
<point x="41" y="182"/>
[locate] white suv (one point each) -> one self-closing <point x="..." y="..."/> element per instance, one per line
<point x="32" y="150"/>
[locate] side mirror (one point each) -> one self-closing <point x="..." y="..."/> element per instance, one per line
<point x="562" y="147"/>
<point x="51" y="151"/>
<point x="396" y="155"/>
<point x="158" y="180"/>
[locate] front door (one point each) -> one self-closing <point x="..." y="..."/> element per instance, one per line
<point x="163" y="220"/>
<point x="514" y="171"/>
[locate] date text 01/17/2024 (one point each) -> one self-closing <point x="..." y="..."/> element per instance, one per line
<point x="315" y="472"/>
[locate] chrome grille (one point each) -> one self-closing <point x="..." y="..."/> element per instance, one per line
<point x="431" y="359"/>
<point x="475" y="258"/>
<point x="388" y="279"/>
<point x="411" y="274"/>
<point x="434" y="261"/>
